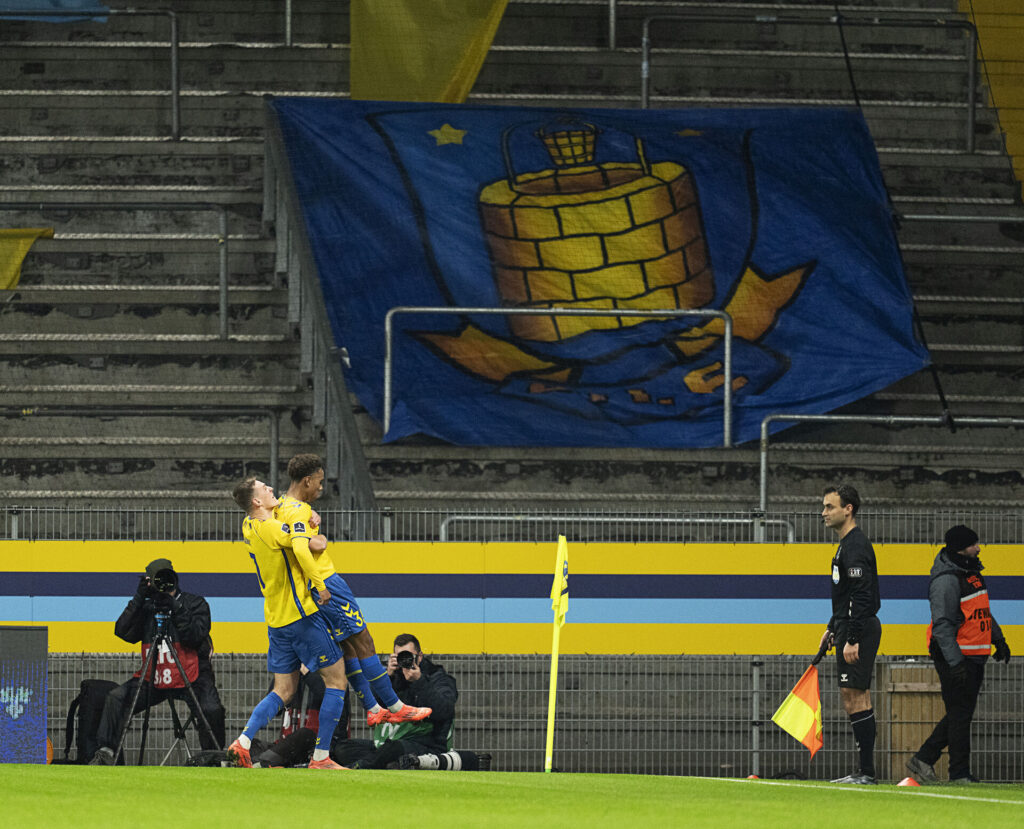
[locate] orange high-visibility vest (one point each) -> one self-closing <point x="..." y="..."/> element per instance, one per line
<point x="974" y="636"/>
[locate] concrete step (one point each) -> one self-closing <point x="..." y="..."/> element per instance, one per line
<point x="216" y="166"/>
<point x="197" y="395"/>
<point x="136" y="321"/>
<point x="244" y="220"/>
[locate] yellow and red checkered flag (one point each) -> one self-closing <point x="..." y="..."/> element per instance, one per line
<point x="800" y="712"/>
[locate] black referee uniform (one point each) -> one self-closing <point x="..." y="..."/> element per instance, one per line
<point x="855" y="605"/>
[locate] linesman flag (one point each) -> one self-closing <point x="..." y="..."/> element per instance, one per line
<point x="800" y="712"/>
<point x="560" y="586"/>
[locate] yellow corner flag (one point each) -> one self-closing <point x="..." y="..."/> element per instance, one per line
<point x="800" y="712"/>
<point x="14" y="244"/>
<point x="419" y="50"/>
<point x="560" y="605"/>
<point x="560" y="586"/>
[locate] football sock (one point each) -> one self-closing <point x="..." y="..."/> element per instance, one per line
<point x="330" y="713"/>
<point x="863" y="723"/>
<point x="378" y="679"/>
<point x="262" y="714"/>
<point x="357" y="681"/>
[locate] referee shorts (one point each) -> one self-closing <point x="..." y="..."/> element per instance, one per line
<point x="858" y="675"/>
<point x="306" y="641"/>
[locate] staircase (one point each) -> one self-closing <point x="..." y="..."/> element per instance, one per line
<point x="189" y="386"/>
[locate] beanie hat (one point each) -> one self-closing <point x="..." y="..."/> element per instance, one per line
<point x="960" y="538"/>
<point x="157" y="565"/>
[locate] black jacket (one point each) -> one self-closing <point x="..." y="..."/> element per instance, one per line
<point x="190" y="624"/>
<point x="435" y="689"/>
<point x="855" y="596"/>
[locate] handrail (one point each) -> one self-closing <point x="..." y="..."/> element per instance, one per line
<point x="569" y="520"/>
<point x="175" y="62"/>
<point x="838" y="19"/>
<point x="320" y="359"/>
<point x="222" y="233"/>
<point x="565" y="312"/>
<point x="272" y="413"/>
<point x="885" y="420"/>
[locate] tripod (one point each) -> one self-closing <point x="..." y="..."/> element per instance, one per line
<point x="162" y="642"/>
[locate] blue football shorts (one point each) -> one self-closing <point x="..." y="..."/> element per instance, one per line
<point x="306" y="641"/>
<point x="341" y="612"/>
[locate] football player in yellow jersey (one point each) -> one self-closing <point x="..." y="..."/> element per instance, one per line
<point x="367" y="676"/>
<point x="298" y="632"/>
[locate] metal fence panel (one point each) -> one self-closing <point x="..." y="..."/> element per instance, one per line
<point x="693" y="715"/>
<point x="651" y="526"/>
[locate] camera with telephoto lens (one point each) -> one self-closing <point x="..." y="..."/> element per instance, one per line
<point x="405" y="659"/>
<point x="163" y="580"/>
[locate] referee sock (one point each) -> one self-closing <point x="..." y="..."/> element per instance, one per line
<point x="262" y="714"/>
<point x="863" y="723"/>
<point x="379" y="681"/>
<point x="357" y="681"/>
<point x="330" y="713"/>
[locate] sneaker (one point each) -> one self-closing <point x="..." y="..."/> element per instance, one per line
<point x="969" y="780"/>
<point x="921" y="771"/>
<point x="485" y="762"/>
<point x="103" y="757"/>
<point x="378" y="717"/>
<point x="857" y="778"/>
<point x="326" y="763"/>
<point x="238" y="756"/>
<point x="409" y="714"/>
<point x="409" y="761"/>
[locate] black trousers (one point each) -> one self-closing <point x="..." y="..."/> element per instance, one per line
<point x="363" y="754"/>
<point x="954" y="730"/>
<point x="116" y="713"/>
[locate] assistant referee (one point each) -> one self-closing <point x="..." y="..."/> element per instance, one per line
<point x="854" y="628"/>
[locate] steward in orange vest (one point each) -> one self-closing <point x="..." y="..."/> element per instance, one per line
<point x="960" y="638"/>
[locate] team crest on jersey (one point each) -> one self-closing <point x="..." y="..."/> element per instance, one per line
<point x="299" y="527"/>
<point x="835" y="574"/>
<point x="855" y="572"/>
<point x="284" y="527"/>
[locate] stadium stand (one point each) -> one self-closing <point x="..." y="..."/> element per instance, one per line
<point x="123" y="308"/>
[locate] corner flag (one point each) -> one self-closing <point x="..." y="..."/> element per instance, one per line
<point x="800" y="712"/>
<point x="560" y="586"/>
<point x="560" y="605"/>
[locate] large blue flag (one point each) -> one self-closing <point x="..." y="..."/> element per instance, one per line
<point x="778" y="217"/>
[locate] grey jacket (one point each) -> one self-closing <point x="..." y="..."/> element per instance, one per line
<point x="944" y="593"/>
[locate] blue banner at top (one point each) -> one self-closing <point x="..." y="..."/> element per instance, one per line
<point x="777" y="217"/>
<point x="23" y="10"/>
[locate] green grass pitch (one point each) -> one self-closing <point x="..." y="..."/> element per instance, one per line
<point x="208" y="798"/>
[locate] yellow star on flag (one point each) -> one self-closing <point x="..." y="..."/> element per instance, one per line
<point x="447" y="134"/>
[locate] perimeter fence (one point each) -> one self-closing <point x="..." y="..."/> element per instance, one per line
<point x="128" y="523"/>
<point x="692" y="715"/>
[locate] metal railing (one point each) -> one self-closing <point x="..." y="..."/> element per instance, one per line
<point x="884" y="420"/>
<point x="838" y="20"/>
<point x="564" y="312"/>
<point x="175" y="62"/>
<point x="272" y="414"/>
<point x="802" y="525"/>
<point x="221" y="238"/>
<point x="320" y="358"/>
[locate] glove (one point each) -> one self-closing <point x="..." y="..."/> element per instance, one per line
<point x="142" y="591"/>
<point x="961" y="675"/>
<point x="163" y="602"/>
<point x="1002" y="653"/>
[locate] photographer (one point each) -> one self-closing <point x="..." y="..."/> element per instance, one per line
<point x="425" y="744"/>
<point x="188" y="630"/>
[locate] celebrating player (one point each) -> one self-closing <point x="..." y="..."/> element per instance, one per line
<point x="298" y="633"/>
<point x="367" y="676"/>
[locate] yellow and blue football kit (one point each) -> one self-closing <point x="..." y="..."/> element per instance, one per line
<point x="297" y="631"/>
<point x="342" y="611"/>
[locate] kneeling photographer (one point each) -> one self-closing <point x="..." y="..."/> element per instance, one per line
<point x="425" y="744"/>
<point x="185" y="618"/>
